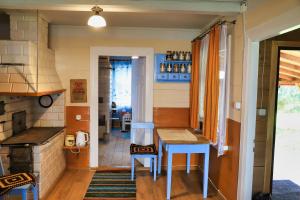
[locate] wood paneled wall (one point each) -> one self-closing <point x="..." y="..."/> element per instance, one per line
<point x="171" y="117"/>
<point x="261" y="121"/>
<point x="224" y="170"/>
<point x="74" y="125"/>
<point x="266" y="98"/>
<point x="175" y="118"/>
<point x="82" y="159"/>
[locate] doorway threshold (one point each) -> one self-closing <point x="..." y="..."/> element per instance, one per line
<point x="112" y="168"/>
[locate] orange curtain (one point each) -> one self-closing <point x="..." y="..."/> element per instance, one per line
<point x="194" y="86"/>
<point x="211" y="96"/>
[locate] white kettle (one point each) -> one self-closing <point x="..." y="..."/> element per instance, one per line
<point x="81" y="138"/>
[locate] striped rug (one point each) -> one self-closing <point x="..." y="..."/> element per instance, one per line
<point x="111" y="185"/>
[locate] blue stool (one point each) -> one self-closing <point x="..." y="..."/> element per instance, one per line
<point x="22" y="190"/>
<point x="143" y="151"/>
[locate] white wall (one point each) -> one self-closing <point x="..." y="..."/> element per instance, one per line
<point x="72" y="46"/>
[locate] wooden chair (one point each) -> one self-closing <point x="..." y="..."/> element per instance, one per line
<point x="126" y="120"/>
<point x="143" y="151"/>
<point x="22" y="190"/>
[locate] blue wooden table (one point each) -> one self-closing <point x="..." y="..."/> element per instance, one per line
<point x="182" y="141"/>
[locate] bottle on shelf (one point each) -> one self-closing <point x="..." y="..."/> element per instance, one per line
<point x="176" y="68"/>
<point x="169" y="68"/>
<point x="162" y="68"/>
<point x="187" y="56"/>
<point x="169" y="55"/>
<point x="181" y="55"/>
<point x="175" y="55"/>
<point x="182" y="68"/>
<point x="189" y="68"/>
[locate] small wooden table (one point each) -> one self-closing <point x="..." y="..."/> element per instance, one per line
<point x="182" y="141"/>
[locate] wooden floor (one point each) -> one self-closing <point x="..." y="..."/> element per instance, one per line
<point x="115" y="151"/>
<point x="74" y="184"/>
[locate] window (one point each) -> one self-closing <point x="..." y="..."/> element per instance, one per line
<point x="224" y="83"/>
<point x="121" y="84"/>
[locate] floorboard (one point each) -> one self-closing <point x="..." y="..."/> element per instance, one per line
<point x="74" y="183"/>
<point x="115" y="151"/>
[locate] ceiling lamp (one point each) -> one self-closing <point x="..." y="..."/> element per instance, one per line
<point x="96" y="20"/>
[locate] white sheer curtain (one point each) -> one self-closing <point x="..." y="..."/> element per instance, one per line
<point x="202" y="71"/>
<point x="224" y="84"/>
<point x="121" y="84"/>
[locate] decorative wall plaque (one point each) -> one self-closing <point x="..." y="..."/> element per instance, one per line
<point x="78" y="90"/>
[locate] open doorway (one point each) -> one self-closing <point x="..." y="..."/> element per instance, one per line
<point x="145" y="88"/>
<point x="286" y="161"/>
<point x="120" y="102"/>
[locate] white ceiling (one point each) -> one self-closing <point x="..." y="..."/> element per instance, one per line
<point x="130" y="19"/>
<point x="189" y="14"/>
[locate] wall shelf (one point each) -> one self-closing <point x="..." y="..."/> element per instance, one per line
<point x="32" y="94"/>
<point x="11" y="64"/>
<point x="167" y="76"/>
<point x="78" y="160"/>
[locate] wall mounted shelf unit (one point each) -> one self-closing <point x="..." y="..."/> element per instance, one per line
<point x="171" y="76"/>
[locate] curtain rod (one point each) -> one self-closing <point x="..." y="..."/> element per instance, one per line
<point x="121" y="60"/>
<point x="220" y="22"/>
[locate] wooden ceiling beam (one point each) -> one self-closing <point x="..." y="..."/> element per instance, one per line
<point x="289" y="82"/>
<point x="285" y="77"/>
<point x="290" y="66"/>
<point x="290" y="57"/>
<point x="289" y="73"/>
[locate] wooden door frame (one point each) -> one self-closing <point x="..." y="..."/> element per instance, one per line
<point x="113" y="51"/>
<point x="252" y="37"/>
<point x="271" y="123"/>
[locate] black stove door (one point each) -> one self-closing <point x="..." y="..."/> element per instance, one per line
<point x="21" y="159"/>
<point x="19" y="122"/>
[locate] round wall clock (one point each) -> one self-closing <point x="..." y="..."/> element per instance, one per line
<point x="45" y="101"/>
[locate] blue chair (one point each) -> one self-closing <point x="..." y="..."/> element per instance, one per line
<point x="143" y="151"/>
<point x="22" y="190"/>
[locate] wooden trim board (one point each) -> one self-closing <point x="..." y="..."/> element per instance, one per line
<point x="271" y="109"/>
<point x="35" y="94"/>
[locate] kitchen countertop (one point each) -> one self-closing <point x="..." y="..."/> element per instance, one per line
<point x="33" y="136"/>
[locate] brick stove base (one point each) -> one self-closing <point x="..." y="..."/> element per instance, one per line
<point x="49" y="162"/>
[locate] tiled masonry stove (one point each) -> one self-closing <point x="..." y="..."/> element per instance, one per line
<point x="27" y="65"/>
<point x="31" y="136"/>
<point x="39" y="147"/>
<point x="20" y="156"/>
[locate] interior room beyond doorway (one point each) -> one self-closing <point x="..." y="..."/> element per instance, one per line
<point x="120" y="102"/>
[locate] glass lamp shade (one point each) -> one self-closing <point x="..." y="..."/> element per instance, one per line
<point x="96" y="21"/>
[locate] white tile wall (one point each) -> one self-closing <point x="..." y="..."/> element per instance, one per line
<point x="17" y="52"/>
<point x="23" y="48"/>
<point x="37" y="116"/>
<point x="29" y="35"/>
<point x="49" y="159"/>
<point x="49" y="162"/>
<point x="53" y="116"/>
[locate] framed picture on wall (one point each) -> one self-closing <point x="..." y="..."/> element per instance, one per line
<point x="78" y="90"/>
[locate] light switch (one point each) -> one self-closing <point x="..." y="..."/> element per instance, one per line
<point x="261" y="112"/>
<point x="78" y="117"/>
<point x="237" y="105"/>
